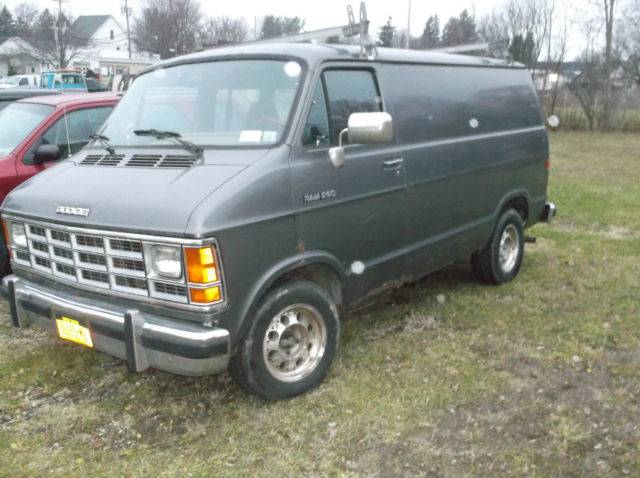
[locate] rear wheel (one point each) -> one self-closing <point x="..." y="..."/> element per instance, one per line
<point x="501" y="258"/>
<point x="290" y="346"/>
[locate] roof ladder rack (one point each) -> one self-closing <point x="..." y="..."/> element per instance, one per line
<point x="360" y="29"/>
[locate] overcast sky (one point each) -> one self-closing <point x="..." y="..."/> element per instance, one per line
<point x="321" y="13"/>
<point x="318" y="14"/>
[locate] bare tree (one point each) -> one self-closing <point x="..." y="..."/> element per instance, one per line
<point x="25" y="15"/>
<point x="224" y="30"/>
<point x="610" y="100"/>
<point x="168" y="27"/>
<point x="629" y="39"/>
<point x="524" y="25"/>
<point x="55" y="39"/>
<point x="589" y="84"/>
<point x="557" y="49"/>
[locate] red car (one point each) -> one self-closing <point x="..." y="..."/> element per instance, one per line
<point x="65" y="121"/>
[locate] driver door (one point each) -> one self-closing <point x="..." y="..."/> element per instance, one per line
<point x="356" y="213"/>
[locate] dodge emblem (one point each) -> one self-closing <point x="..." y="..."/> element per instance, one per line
<point x="73" y="211"/>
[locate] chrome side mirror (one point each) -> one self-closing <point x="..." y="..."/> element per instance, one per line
<point x="363" y="128"/>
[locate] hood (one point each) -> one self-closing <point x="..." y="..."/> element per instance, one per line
<point x="145" y="200"/>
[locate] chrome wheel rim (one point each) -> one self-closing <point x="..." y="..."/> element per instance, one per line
<point x="294" y="342"/>
<point x="509" y="248"/>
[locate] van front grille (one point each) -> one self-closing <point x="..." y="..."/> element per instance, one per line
<point x="95" y="259"/>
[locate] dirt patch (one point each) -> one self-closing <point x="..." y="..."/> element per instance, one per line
<point x="571" y="420"/>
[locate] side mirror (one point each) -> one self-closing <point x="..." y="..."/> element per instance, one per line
<point x="363" y="128"/>
<point x="46" y="153"/>
<point x="370" y="128"/>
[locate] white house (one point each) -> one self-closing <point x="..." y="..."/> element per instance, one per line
<point x="17" y="57"/>
<point x="106" y="51"/>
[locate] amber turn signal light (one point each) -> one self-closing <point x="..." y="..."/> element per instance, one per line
<point x="6" y="237"/>
<point x="205" y="296"/>
<point x="201" y="265"/>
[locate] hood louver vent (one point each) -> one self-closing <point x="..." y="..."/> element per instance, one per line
<point x="177" y="161"/>
<point x="141" y="160"/>
<point x="102" y="160"/>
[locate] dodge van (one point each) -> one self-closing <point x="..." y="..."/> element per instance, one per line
<point x="238" y="202"/>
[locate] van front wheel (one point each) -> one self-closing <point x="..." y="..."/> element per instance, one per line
<point x="501" y="258"/>
<point x="290" y="345"/>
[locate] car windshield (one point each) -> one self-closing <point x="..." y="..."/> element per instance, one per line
<point x="11" y="80"/>
<point x="221" y="103"/>
<point x="18" y="120"/>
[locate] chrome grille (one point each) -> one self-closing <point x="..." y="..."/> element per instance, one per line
<point x="97" y="259"/>
<point x="91" y="259"/>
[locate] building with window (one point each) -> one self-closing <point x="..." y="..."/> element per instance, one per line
<point x="106" y="51"/>
<point x="18" y="57"/>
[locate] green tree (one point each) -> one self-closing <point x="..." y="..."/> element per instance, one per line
<point x="460" y="30"/>
<point x="386" y="34"/>
<point x="431" y="37"/>
<point x="7" y="24"/>
<point x="274" y="26"/>
<point x="523" y="49"/>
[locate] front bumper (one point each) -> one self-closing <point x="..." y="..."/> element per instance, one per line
<point x="142" y="339"/>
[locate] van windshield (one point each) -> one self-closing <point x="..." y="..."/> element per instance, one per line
<point x="18" y="120"/>
<point x="221" y="103"/>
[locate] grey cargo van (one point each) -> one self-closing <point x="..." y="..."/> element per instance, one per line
<point x="238" y="201"/>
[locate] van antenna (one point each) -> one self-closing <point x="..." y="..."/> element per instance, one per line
<point x="66" y="128"/>
<point x="361" y="30"/>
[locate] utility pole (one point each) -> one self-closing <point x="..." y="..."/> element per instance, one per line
<point x="57" y="31"/>
<point x="407" y="39"/>
<point x="127" y="12"/>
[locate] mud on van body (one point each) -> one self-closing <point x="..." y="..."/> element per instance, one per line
<point x="239" y="201"/>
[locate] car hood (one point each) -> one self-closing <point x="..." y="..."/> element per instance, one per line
<point x="145" y="200"/>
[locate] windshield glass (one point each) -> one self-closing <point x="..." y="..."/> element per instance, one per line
<point x="222" y="103"/>
<point x="11" y="80"/>
<point x="18" y="120"/>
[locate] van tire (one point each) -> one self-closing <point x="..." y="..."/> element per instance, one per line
<point x="492" y="267"/>
<point x="302" y="316"/>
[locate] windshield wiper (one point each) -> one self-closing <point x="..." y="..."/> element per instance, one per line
<point x="158" y="134"/>
<point x="104" y="141"/>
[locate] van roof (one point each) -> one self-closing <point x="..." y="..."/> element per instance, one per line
<point x="314" y="53"/>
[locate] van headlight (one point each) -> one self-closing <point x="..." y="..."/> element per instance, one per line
<point x="164" y="261"/>
<point x="18" y="236"/>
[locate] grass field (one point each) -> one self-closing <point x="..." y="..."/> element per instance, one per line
<point x="536" y="378"/>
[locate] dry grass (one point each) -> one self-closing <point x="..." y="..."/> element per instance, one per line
<point x="538" y="377"/>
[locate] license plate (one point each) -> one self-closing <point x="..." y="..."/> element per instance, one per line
<point x="69" y="329"/>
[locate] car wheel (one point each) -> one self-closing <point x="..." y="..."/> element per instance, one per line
<point x="291" y="344"/>
<point x="501" y="258"/>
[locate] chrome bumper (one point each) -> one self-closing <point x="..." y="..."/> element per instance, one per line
<point x="549" y="212"/>
<point x="142" y="339"/>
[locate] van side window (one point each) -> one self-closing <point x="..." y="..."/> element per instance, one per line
<point x="349" y="91"/>
<point x="316" y="130"/>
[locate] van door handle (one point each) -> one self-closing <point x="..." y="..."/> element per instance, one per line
<point x="392" y="164"/>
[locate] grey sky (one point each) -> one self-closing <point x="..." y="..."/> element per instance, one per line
<point x="322" y="13"/>
<point x="319" y="14"/>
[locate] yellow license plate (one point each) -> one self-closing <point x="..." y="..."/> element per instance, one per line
<point x="71" y="330"/>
